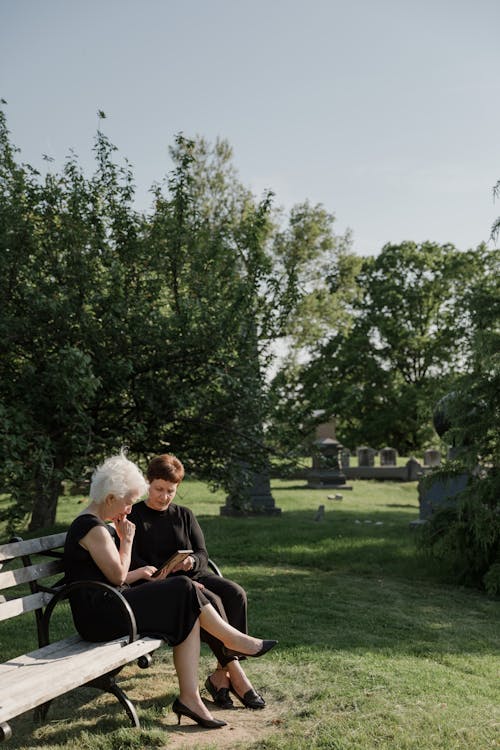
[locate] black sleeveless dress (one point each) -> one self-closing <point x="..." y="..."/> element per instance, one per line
<point x="167" y="609"/>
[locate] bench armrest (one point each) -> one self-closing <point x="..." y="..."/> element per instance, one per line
<point x="64" y="592"/>
<point x="214" y="567"/>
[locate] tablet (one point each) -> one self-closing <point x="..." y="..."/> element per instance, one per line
<point x="172" y="561"/>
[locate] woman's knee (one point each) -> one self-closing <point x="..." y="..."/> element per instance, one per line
<point x="239" y="593"/>
<point x="180" y="584"/>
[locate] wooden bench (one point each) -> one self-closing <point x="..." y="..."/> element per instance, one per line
<point x="33" y="680"/>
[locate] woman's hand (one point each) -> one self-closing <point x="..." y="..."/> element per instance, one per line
<point x="185" y="566"/>
<point x="147" y="571"/>
<point x="141" y="574"/>
<point x="124" y="528"/>
<point x="161" y="576"/>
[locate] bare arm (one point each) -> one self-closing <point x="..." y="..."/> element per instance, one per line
<point x="112" y="562"/>
<point x="144" y="572"/>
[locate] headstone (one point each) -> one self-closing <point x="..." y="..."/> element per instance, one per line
<point x="414" y="469"/>
<point x="435" y="493"/>
<point x="326" y="471"/>
<point x="259" y="500"/>
<point x="345" y="458"/>
<point x="366" y="456"/>
<point x="432" y="457"/>
<point x="388" y="457"/>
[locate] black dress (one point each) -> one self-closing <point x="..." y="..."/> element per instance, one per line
<point x="158" y="534"/>
<point x="167" y="609"/>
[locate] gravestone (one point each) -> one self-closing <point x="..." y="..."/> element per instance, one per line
<point x="388" y="457"/>
<point x="432" y="457"/>
<point x="366" y="456"/>
<point x="326" y="471"/>
<point x="258" y="501"/>
<point x="439" y="493"/>
<point x="414" y="469"/>
<point x="345" y="458"/>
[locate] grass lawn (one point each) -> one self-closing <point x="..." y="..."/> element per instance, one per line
<point x="377" y="649"/>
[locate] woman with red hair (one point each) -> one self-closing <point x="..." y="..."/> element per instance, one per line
<point x="162" y="528"/>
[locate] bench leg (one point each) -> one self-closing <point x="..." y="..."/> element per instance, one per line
<point x="109" y="685"/>
<point x="40" y="712"/>
<point x="5" y="731"/>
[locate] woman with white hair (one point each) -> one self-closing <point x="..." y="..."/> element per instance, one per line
<point x="171" y="608"/>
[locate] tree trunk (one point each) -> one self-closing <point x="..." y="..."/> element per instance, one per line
<point x="45" y="505"/>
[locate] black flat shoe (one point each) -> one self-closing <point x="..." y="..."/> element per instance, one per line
<point x="181" y="710"/>
<point x="220" y="696"/>
<point x="266" y="646"/>
<point x="251" y="699"/>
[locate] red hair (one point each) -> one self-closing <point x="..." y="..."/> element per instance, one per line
<point x="166" y="467"/>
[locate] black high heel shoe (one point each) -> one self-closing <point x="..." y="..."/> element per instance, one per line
<point x="220" y="696"/>
<point x="251" y="699"/>
<point x="181" y="710"/>
<point x="266" y="646"/>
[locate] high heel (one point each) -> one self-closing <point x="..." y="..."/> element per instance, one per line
<point x="181" y="710"/>
<point x="220" y="696"/>
<point x="266" y="646"/>
<point x="251" y="699"/>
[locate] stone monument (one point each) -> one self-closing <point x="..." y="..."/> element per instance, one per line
<point x="388" y="457"/>
<point x="438" y="492"/>
<point x="257" y="499"/>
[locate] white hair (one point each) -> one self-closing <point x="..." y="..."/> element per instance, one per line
<point x="117" y="476"/>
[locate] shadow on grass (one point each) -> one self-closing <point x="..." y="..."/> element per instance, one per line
<point x="330" y="611"/>
<point x="374" y="543"/>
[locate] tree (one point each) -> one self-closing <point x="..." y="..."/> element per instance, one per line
<point x="466" y="536"/>
<point x="225" y="301"/>
<point x="324" y="270"/>
<point x="408" y="342"/>
<point x="153" y="331"/>
<point x="75" y="312"/>
<point x="39" y="393"/>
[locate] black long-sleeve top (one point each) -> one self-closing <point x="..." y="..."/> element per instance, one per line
<point x="158" y="534"/>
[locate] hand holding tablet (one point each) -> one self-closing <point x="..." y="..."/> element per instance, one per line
<point x="172" y="562"/>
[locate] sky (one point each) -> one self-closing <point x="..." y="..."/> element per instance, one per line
<point x="386" y="112"/>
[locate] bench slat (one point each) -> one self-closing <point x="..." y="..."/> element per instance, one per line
<point x="37" y="677"/>
<point x="30" y="573"/>
<point x="13" y="664"/>
<point x="31" y="546"/>
<point x="27" y="603"/>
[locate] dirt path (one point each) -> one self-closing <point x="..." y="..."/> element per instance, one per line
<point x="244" y="727"/>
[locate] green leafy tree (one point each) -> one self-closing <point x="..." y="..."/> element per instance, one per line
<point x="466" y="536"/>
<point x="151" y="331"/>
<point x="225" y="303"/>
<point x="324" y="271"/>
<point x="74" y="317"/>
<point x="46" y="378"/>
<point x="409" y="341"/>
